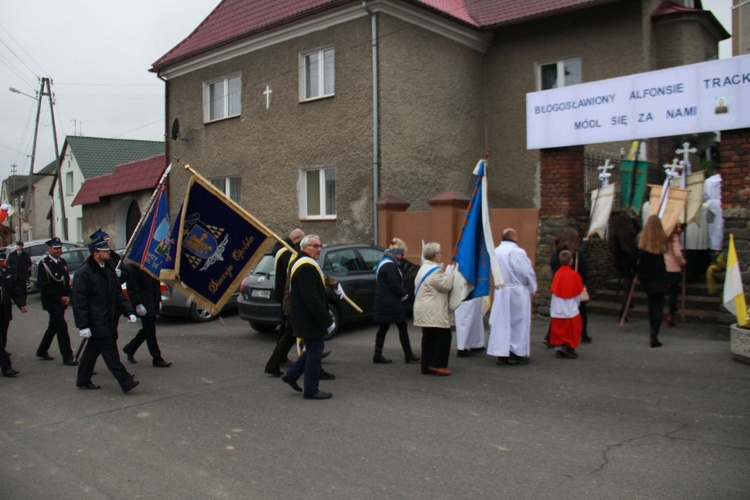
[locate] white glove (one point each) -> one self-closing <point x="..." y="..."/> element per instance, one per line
<point x="85" y="333"/>
<point x="132" y="318"/>
<point x="340" y="291"/>
<point x="450" y="268"/>
<point x="118" y="272"/>
<point x="332" y="327"/>
<point x="140" y="310"/>
<point x="403" y="299"/>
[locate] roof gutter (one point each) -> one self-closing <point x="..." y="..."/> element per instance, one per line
<point x="375" y="120"/>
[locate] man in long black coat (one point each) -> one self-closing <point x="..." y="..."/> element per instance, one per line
<point x="9" y="293"/>
<point x="145" y="296"/>
<point x="97" y="303"/>
<point x="310" y="319"/>
<point x="54" y="287"/>
<point x="19" y="263"/>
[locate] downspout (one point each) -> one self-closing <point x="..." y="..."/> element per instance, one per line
<point x="167" y="136"/>
<point x="375" y="114"/>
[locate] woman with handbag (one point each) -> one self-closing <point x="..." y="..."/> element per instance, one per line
<point x="652" y="272"/>
<point x="570" y="240"/>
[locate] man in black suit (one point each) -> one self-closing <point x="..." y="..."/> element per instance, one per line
<point x="310" y="319"/>
<point x="54" y="286"/>
<point x="19" y="263"/>
<point x="97" y="303"/>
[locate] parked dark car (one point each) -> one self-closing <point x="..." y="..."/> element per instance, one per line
<point x="352" y="265"/>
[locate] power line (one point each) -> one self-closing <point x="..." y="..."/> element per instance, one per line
<point x="21" y="60"/>
<point x="24" y="51"/>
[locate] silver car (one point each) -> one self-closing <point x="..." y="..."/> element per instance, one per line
<point x="174" y="303"/>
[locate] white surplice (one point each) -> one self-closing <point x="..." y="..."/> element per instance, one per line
<point x="510" y="319"/>
<point x="470" y="333"/>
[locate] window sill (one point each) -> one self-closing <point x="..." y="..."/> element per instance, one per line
<point x="317" y="218"/>
<point x="222" y="119"/>
<point x="313" y="99"/>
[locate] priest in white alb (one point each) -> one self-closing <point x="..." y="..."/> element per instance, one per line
<point x="510" y="319"/>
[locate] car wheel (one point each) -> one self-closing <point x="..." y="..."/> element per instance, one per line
<point x="334" y="314"/>
<point x="199" y="315"/>
<point x="262" y="327"/>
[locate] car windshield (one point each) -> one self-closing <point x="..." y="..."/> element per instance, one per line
<point x="265" y="266"/>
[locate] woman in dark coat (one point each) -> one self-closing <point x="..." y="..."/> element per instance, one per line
<point x="652" y="272"/>
<point x="389" y="294"/>
<point x="569" y="240"/>
<point x="624" y="249"/>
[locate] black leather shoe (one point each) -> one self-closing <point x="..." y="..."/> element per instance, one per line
<point x="270" y="373"/>
<point x="324" y="375"/>
<point x="411" y="358"/>
<point x="586" y="340"/>
<point x="465" y="353"/>
<point x="10" y="372"/>
<point x="162" y="364"/>
<point x="379" y="359"/>
<point x="655" y="343"/>
<point x="132" y="385"/>
<point x="131" y="359"/>
<point x="291" y="383"/>
<point x="318" y="395"/>
<point x="70" y="362"/>
<point x="505" y="360"/>
<point x="519" y="360"/>
<point x="90" y="386"/>
<point x="44" y="356"/>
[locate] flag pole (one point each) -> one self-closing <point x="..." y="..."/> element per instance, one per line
<point x="150" y="205"/>
<point x="477" y="182"/>
<point x="213" y="188"/>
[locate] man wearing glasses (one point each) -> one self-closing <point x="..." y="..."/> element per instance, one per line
<point x="310" y="319"/>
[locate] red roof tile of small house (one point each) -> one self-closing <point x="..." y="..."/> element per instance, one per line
<point x="126" y="178"/>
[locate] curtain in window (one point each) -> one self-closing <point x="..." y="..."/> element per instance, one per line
<point x="311" y="76"/>
<point x="549" y="76"/>
<point x="572" y="72"/>
<point x="330" y="183"/>
<point x="313" y="192"/>
<point x="328" y="74"/>
<point x="234" y="93"/>
<point x="216" y="101"/>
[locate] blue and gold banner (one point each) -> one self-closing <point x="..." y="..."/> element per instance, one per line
<point x="149" y="248"/>
<point x="214" y="243"/>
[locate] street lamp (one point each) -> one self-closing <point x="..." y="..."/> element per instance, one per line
<point x="16" y="91"/>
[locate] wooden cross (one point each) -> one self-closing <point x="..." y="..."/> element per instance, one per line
<point x="268" y="93"/>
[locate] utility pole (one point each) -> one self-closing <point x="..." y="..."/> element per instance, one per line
<point x="45" y="89"/>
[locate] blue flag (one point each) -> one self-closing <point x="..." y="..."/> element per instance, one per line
<point x="475" y="255"/>
<point x="149" y="248"/>
<point x="214" y="243"/>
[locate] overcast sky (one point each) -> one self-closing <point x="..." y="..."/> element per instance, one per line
<point x="98" y="52"/>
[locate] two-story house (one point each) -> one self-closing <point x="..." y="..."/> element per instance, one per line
<point x="307" y="112"/>
<point x="81" y="159"/>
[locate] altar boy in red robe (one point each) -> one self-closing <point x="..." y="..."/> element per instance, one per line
<point x="566" y="324"/>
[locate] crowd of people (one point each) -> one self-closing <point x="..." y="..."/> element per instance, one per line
<point x="97" y="300"/>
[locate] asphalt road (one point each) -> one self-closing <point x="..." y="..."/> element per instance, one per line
<point x="622" y="421"/>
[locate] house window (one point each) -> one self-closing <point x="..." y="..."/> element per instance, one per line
<point x="230" y="186"/>
<point x="318" y="193"/>
<point x="559" y="74"/>
<point x="221" y="98"/>
<point x="316" y="74"/>
<point x="69" y="183"/>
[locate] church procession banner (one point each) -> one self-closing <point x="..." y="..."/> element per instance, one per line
<point x="703" y="97"/>
<point x="675" y="206"/>
<point x="213" y="244"/>
<point x="601" y="209"/>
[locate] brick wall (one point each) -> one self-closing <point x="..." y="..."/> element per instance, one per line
<point x="734" y="158"/>
<point x="561" y="182"/>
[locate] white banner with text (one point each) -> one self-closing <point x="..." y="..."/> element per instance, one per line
<point x="703" y="97"/>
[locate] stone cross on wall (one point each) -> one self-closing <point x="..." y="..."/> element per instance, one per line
<point x="268" y="93"/>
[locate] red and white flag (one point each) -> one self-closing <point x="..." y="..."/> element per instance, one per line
<point x="6" y="211"/>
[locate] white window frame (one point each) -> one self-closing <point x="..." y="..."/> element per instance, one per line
<point x="224" y="184"/>
<point x="321" y="74"/>
<point x="69" y="183"/>
<point x="302" y="194"/>
<point x="560" y="72"/>
<point x="225" y="81"/>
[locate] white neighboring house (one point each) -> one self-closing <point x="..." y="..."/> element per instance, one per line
<point x="85" y="157"/>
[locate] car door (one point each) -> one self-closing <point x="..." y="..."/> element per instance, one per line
<point x="345" y="266"/>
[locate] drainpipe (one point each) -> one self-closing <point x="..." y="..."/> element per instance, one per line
<point x="375" y="114"/>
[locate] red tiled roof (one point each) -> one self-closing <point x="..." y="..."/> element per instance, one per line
<point x="126" y="178"/>
<point x="235" y="19"/>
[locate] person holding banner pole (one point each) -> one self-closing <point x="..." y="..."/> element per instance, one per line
<point x="145" y="296"/>
<point x="310" y="319"/>
<point x="652" y="273"/>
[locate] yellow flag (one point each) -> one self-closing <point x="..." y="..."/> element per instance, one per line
<point x="734" y="296"/>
